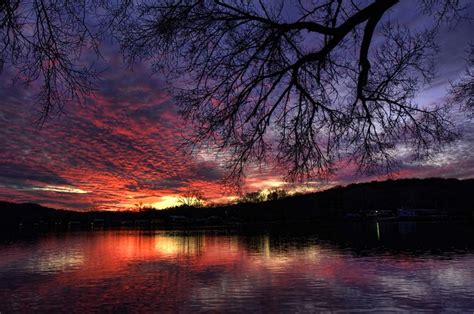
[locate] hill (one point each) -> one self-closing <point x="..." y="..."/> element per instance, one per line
<point x="445" y="197"/>
<point x="433" y="198"/>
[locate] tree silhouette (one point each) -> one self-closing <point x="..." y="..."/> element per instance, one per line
<point x="44" y="41"/>
<point x="305" y="89"/>
<point x="463" y="90"/>
<point x="192" y="198"/>
<point x="252" y="197"/>
<point x="276" y="194"/>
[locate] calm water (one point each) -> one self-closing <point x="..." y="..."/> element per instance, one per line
<point x="341" y="267"/>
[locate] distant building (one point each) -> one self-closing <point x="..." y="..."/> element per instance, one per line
<point x="420" y="212"/>
<point x="406" y="212"/>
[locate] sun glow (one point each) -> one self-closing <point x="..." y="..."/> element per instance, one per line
<point x="166" y="202"/>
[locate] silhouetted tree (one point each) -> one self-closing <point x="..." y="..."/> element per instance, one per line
<point x="44" y="40"/>
<point x="463" y="90"/>
<point x="193" y="198"/>
<point x="276" y="194"/>
<point x="140" y="207"/>
<point x="305" y="89"/>
<point x="252" y="197"/>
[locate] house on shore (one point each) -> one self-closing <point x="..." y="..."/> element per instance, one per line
<point x="421" y="213"/>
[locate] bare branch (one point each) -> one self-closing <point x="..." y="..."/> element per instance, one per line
<point x="302" y="92"/>
<point x="258" y="90"/>
<point x="462" y="91"/>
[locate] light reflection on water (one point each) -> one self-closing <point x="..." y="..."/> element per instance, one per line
<point x="373" y="267"/>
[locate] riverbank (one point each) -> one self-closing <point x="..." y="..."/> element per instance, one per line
<point x="392" y="200"/>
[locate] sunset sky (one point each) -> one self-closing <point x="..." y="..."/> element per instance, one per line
<point x="122" y="147"/>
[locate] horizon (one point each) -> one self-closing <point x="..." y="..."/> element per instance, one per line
<point x="263" y="196"/>
<point x="292" y="156"/>
<point x="122" y="147"/>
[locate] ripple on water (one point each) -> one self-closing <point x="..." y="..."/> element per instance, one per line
<point x="146" y="271"/>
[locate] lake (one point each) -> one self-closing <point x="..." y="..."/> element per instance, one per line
<point x="349" y="267"/>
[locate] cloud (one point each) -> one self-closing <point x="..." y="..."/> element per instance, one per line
<point x="17" y="173"/>
<point x="122" y="146"/>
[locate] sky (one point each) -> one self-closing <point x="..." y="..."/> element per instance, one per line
<point x="122" y="148"/>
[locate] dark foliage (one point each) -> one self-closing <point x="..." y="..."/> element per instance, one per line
<point x="448" y="196"/>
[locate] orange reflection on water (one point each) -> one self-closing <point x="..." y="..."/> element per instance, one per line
<point x="211" y="272"/>
<point x="109" y="252"/>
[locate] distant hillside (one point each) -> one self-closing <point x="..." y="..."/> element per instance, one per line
<point x="452" y="197"/>
<point x="443" y="194"/>
<point x="28" y="213"/>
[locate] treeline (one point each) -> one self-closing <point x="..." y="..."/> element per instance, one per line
<point x="450" y="196"/>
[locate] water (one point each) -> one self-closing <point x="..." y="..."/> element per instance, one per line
<point x="350" y="267"/>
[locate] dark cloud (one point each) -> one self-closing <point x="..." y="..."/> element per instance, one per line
<point x="122" y="147"/>
<point x="119" y="148"/>
<point x="11" y="173"/>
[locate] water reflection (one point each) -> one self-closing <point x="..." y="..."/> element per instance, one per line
<point x="348" y="267"/>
